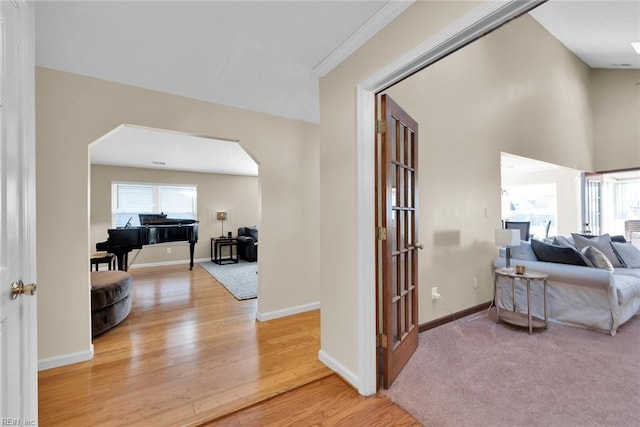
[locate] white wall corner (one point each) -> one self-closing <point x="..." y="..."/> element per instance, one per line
<point x="276" y="314"/>
<point x="338" y="368"/>
<point x="366" y="243"/>
<point x="65" y="359"/>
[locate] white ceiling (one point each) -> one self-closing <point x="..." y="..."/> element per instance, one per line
<point x="598" y="32"/>
<point x="512" y="165"/>
<point x="135" y="146"/>
<point x="264" y="56"/>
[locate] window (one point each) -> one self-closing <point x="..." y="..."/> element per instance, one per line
<point x="131" y="199"/>
<point x="613" y="200"/>
<point x="534" y="203"/>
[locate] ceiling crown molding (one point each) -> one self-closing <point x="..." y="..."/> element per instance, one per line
<point x="370" y="28"/>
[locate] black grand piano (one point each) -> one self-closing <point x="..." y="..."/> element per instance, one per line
<point x="155" y="228"/>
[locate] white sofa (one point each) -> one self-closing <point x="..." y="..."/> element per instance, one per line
<point x="586" y="297"/>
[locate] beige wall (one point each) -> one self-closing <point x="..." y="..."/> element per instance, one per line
<point x="338" y="245"/>
<point x="72" y="111"/>
<point x="616" y="111"/>
<point x="237" y="195"/>
<point x="517" y="90"/>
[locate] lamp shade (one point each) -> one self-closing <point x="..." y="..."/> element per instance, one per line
<point x="507" y="237"/>
<point x="221" y="216"/>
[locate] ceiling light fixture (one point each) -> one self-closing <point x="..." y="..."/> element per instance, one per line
<point x="158" y="163"/>
<point x="636" y="47"/>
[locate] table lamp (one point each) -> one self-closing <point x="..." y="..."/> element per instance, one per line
<point x="507" y="237"/>
<point x="222" y="217"/>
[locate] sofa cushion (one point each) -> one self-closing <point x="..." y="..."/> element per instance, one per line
<point x="597" y="258"/>
<point x="628" y="254"/>
<point x="623" y="271"/>
<point x="627" y="288"/>
<point x="523" y="251"/>
<point x="558" y="254"/>
<point x="602" y="243"/>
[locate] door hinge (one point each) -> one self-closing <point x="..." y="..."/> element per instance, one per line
<point x="380" y="126"/>
<point x="381" y="341"/>
<point x="381" y="233"/>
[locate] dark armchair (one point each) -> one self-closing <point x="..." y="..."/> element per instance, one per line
<point x="523" y="226"/>
<point x="248" y="243"/>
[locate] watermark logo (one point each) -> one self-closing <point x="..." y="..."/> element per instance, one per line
<point x="17" y="422"/>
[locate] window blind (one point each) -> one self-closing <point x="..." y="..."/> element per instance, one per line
<point x="131" y="199"/>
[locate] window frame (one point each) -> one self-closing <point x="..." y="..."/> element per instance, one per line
<point x="157" y="198"/>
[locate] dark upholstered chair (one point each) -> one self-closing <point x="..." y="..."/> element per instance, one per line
<point x="523" y="226"/>
<point x="248" y="243"/>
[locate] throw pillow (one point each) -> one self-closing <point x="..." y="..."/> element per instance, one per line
<point x="523" y="251"/>
<point x="564" y="241"/>
<point x="597" y="258"/>
<point x="615" y="238"/>
<point x="603" y="243"/>
<point x="629" y="254"/>
<point x="558" y="254"/>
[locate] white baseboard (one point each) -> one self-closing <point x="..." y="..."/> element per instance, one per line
<point x="337" y="367"/>
<point x="163" y="263"/>
<point x="66" y="359"/>
<point x="263" y="317"/>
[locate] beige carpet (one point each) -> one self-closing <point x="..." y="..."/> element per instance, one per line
<point x="474" y="372"/>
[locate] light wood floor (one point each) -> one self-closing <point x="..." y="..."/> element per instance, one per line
<point x="325" y="402"/>
<point x="188" y="353"/>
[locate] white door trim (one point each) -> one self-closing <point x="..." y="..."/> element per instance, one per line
<point x="481" y="20"/>
<point x="28" y="60"/>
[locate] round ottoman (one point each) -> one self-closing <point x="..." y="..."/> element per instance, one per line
<point x="110" y="299"/>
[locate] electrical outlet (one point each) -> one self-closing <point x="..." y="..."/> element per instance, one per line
<point x="168" y="250"/>
<point x="434" y="293"/>
<point x="475" y="283"/>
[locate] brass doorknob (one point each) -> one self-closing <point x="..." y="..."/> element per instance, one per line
<point x="419" y="246"/>
<point x="18" y="288"/>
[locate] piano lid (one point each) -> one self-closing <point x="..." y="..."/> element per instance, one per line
<point x="161" y="219"/>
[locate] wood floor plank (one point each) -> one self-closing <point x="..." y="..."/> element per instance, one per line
<point x="325" y="402"/>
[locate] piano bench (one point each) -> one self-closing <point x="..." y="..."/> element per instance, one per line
<point x="110" y="299"/>
<point x="102" y="258"/>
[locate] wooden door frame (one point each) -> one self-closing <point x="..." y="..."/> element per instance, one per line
<point x="478" y="22"/>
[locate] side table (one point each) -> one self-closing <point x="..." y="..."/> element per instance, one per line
<point x="514" y="317"/>
<point x="217" y="243"/>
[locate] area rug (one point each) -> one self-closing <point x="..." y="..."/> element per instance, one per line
<point x="239" y="279"/>
<point x="474" y="372"/>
